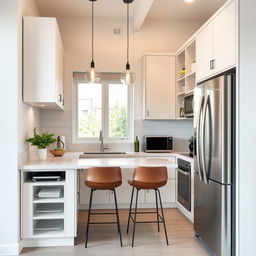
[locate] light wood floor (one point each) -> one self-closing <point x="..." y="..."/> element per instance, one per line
<point x="104" y="239"/>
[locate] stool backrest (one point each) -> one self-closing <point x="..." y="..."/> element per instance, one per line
<point x="104" y="174"/>
<point x="150" y="174"/>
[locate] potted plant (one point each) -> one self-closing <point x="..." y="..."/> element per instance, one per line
<point x="42" y="142"/>
<point x="191" y="147"/>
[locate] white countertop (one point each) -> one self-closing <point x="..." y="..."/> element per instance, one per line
<point x="129" y="160"/>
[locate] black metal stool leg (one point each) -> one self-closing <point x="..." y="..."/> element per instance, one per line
<point x="166" y="237"/>
<point x="135" y="213"/>
<point x="117" y="218"/>
<point x="157" y="213"/>
<point x="129" y="216"/>
<point x="89" y="216"/>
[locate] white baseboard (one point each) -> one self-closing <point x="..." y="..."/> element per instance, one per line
<point x="49" y="242"/>
<point x="10" y="249"/>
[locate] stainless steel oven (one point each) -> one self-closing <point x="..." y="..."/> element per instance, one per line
<point x="188" y="105"/>
<point x="184" y="183"/>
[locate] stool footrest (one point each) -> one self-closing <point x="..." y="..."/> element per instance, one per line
<point x="103" y="223"/>
<point x="102" y="213"/>
<point x="160" y="221"/>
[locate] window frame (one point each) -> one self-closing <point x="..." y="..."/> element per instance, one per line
<point x="105" y="115"/>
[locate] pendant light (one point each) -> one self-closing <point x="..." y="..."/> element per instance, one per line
<point x="128" y="77"/>
<point x="92" y="76"/>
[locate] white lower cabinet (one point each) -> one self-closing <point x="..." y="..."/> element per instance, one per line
<point x="52" y="214"/>
<point x="168" y="193"/>
<point x="124" y="192"/>
<point x="99" y="196"/>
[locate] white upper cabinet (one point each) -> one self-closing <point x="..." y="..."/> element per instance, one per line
<point x="204" y="51"/>
<point x="159" y="87"/>
<point x="216" y="44"/>
<point x="42" y="63"/>
<point x="224" y="40"/>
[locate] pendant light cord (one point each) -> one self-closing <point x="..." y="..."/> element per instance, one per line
<point x="128" y="27"/>
<point x="92" y="33"/>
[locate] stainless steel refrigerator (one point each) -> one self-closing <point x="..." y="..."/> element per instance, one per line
<point x="214" y="110"/>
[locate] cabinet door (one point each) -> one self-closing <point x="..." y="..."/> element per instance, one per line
<point x="124" y="192"/>
<point x="159" y="85"/>
<point x="99" y="196"/>
<point x="168" y="193"/>
<point x="204" y="52"/>
<point x="59" y="68"/>
<point x="224" y="49"/>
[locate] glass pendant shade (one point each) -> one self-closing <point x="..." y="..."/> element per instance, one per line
<point x="91" y="76"/>
<point x="128" y="77"/>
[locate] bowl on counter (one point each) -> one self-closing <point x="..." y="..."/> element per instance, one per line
<point x="57" y="152"/>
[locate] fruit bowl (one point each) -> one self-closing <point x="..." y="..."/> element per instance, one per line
<point x="57" y="152"/>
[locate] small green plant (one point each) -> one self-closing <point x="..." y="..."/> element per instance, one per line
<point x="191" y="139"/>
<point x="41" y="141"/>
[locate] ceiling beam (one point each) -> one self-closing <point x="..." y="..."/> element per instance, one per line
<point x="141" y="11"/>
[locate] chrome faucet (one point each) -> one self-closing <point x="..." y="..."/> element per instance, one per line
<point x="101" y="141"/>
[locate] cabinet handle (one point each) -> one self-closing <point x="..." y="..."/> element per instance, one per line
<point x="63" y="101"/>
<point x="213" y="64"/>
<point x="60" y="98"/>
<point x="147" y="112"/>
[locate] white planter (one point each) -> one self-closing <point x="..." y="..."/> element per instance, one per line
<point x="42" y="154"/>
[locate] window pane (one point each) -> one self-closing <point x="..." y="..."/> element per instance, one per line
<point x="118" y="121"/>
<point x="89" y="110"/>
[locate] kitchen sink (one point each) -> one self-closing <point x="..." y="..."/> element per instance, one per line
<point x="104" y="153"/>
<point x="101" y="154"/>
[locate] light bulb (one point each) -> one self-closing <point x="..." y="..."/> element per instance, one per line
<point x="128" y="77"/>
<point x="92" y="76"/>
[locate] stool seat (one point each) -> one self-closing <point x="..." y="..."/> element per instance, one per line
<point x="103" y="186"/>
<point x="146" y="185"/>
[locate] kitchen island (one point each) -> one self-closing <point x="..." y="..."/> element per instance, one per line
<point x="45" y="218"/>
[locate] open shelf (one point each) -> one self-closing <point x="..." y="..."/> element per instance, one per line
<point x="48" y="200"/>
<point x="185" y="84"/>
<point x="191" y="74"/>
<point x="181" y="94"/>
<point x="47" y="216"/>
<point x="51" y="233"/>
<point x="182" y="79"/>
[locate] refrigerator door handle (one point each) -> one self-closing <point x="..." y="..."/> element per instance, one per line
<point x="198" y="135"/>
<point x="207" y="101"/>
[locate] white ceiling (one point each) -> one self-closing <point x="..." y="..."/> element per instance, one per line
<point x="199" y="10"/>
<point x="102" y="8"/>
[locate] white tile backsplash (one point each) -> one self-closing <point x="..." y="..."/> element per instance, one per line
<point x="60" y="123"/>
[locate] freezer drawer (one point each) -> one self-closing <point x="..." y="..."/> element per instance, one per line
<point x="212" y="215"/>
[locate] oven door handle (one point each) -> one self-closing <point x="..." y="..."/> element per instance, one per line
<point x="183" y="172"/>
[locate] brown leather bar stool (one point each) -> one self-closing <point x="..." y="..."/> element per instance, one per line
<point x="148" y="178"/>
<point x="103" y="178"/>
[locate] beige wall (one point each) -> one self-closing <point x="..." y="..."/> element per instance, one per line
<point x="28" y="117"/>
<point x="110" y="55"/>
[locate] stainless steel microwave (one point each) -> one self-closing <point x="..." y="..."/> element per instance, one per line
<point x="189" y="105"/>
<point x="154" y="144"/>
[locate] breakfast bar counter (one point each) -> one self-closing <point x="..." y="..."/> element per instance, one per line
<point x="72" y="161"/>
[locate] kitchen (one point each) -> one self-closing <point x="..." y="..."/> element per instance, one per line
<point x="191" y="56"/>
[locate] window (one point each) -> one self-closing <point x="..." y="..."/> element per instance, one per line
<point x="105" y="106"/>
